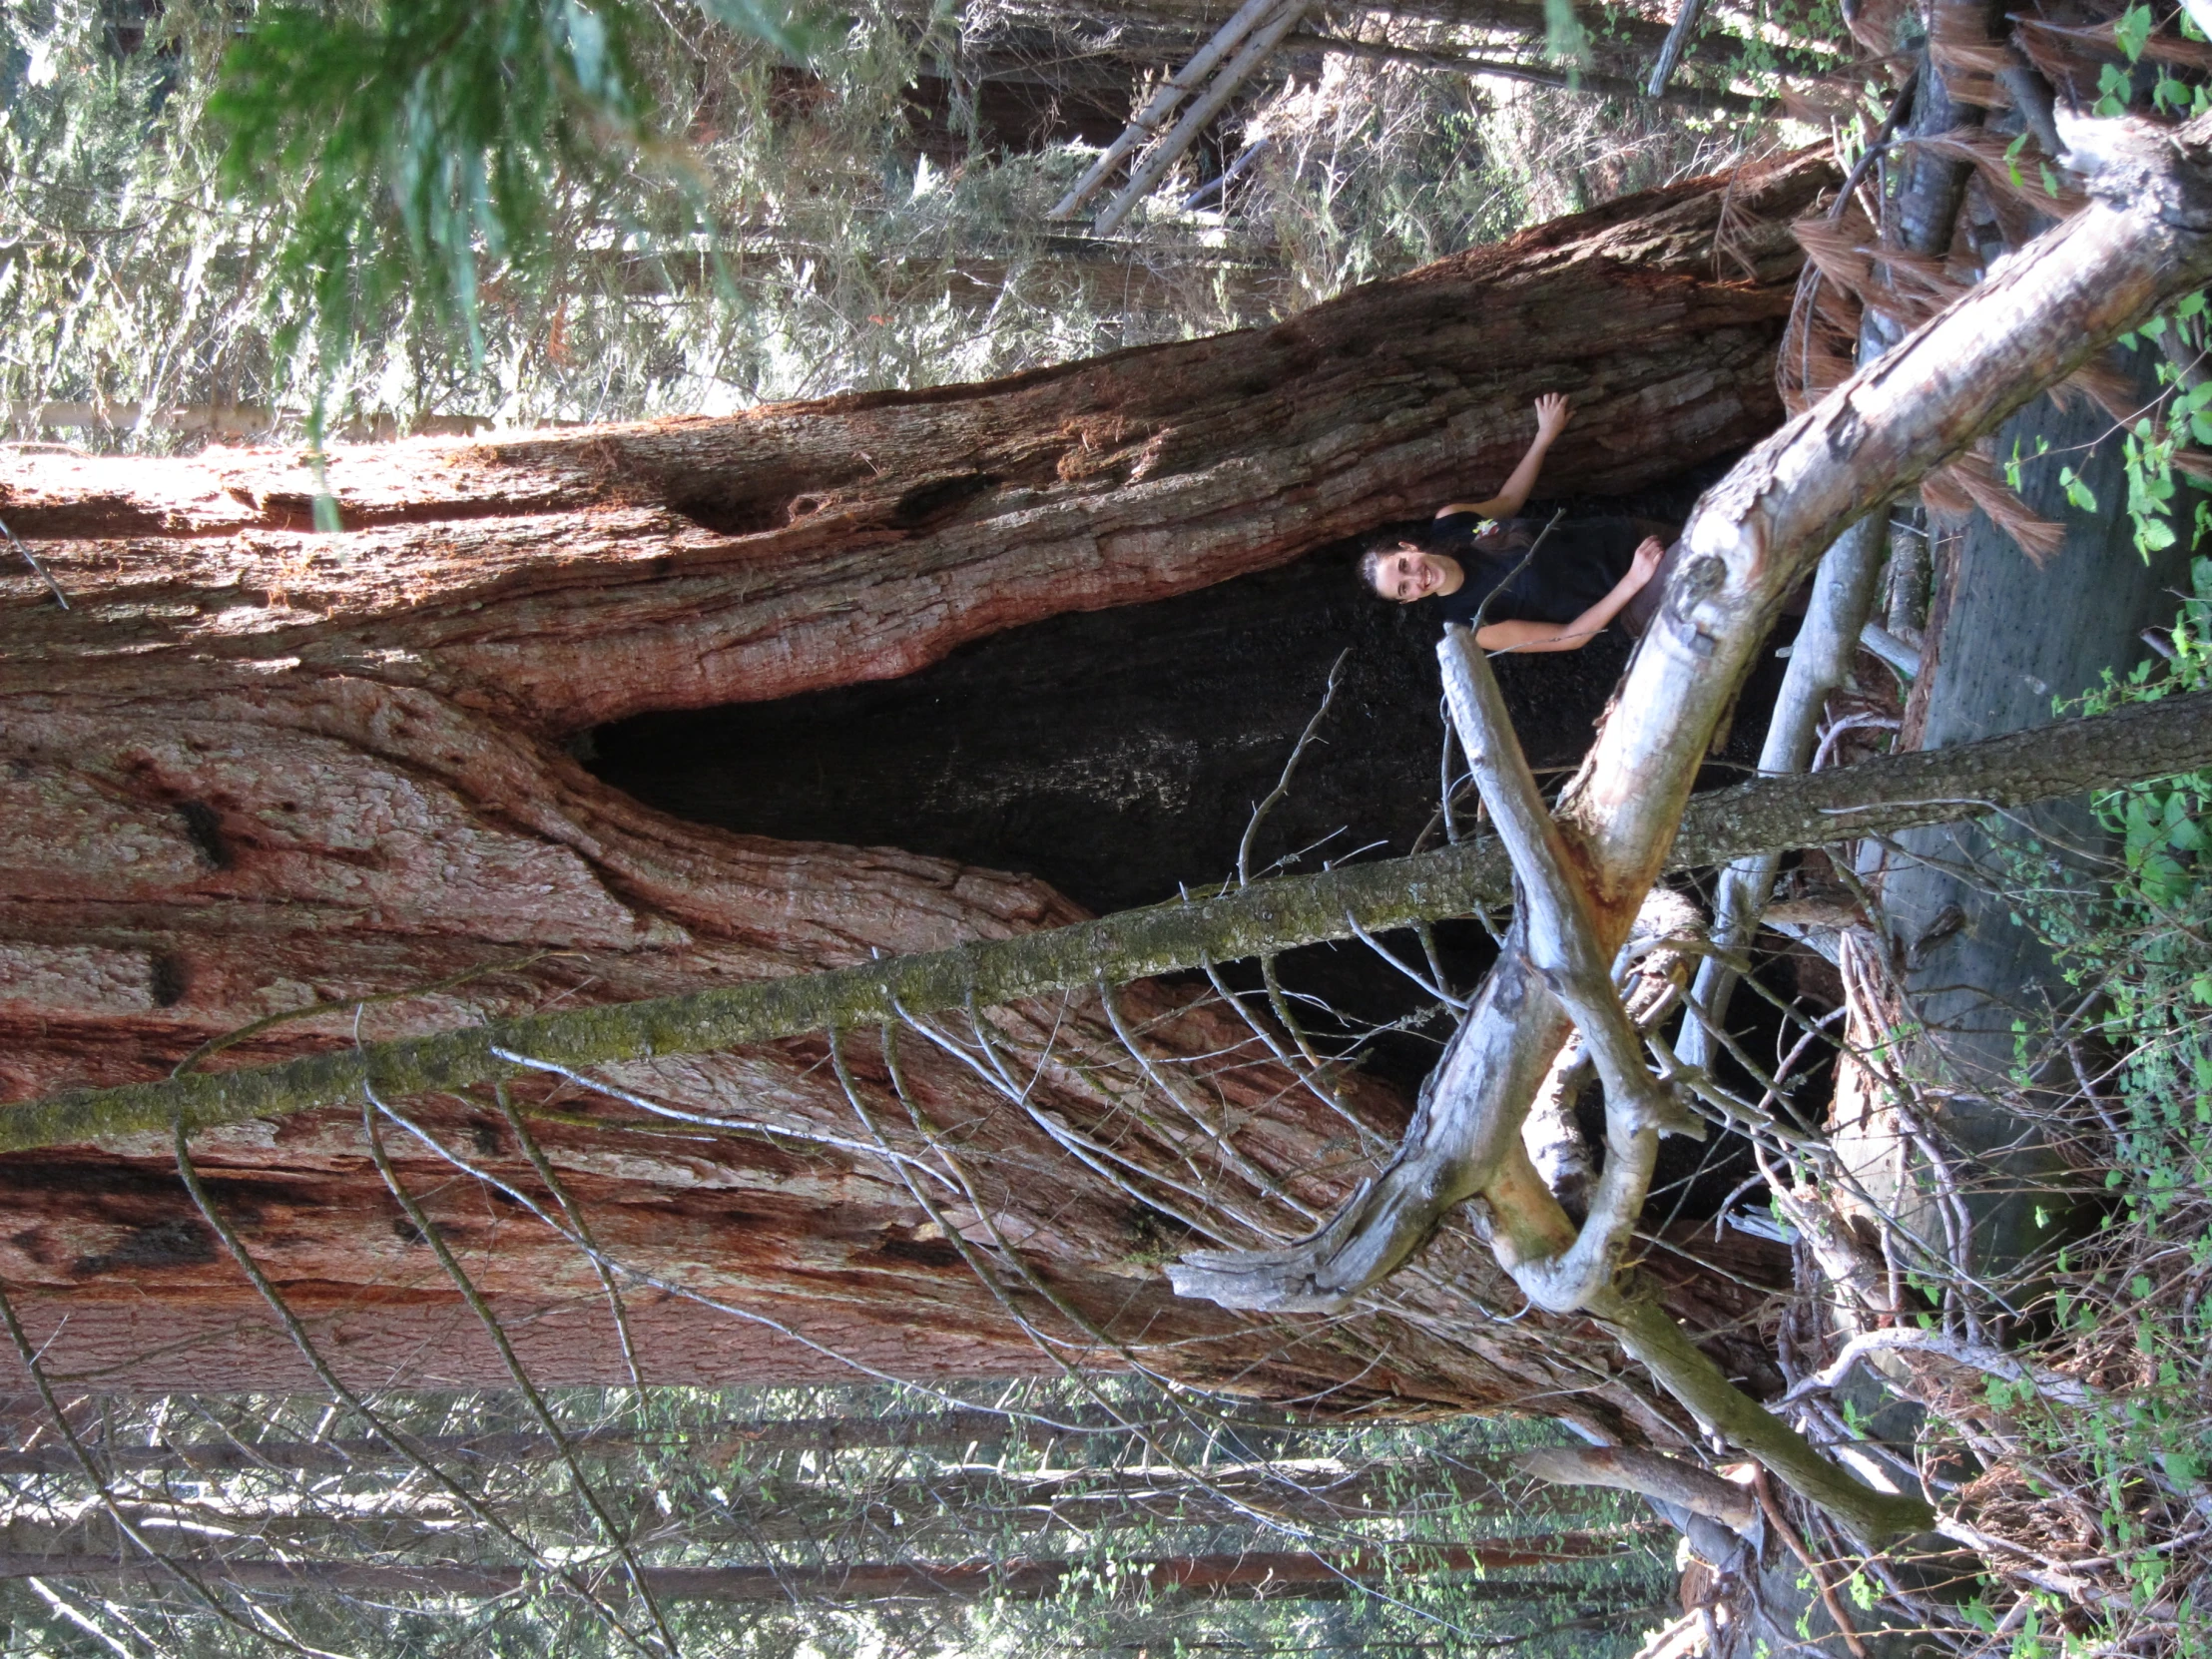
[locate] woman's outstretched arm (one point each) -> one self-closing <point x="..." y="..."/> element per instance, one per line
<point x="1573" y="636"/>
<point x="1552" y="417"/>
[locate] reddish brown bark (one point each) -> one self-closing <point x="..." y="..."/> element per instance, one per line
<point x="1246" y="1574"/>
<point x="252" y="768"/>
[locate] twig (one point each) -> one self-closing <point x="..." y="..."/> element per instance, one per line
<point x="107" y="1502"/>
<point x="2049" y="1383"/>
<point x="1789" y="1535"/>
<point x="296" y="1330"/>
<point x="37" y="569"/>
<point x="1289" y="768"/>
<point x="554" y="1185"/>
<point x="428" y="1231"/>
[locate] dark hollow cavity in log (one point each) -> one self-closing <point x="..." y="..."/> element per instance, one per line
<point x="1119" y="754"/>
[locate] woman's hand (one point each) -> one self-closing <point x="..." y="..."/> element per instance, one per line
<point x="1551" y="419"/>
<point x="1573" y="636"/>
<point x="1649" y="552"/>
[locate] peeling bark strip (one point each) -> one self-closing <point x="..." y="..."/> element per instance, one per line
<point x="1877" y="796"/>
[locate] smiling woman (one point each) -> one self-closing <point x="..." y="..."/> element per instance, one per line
<point x="1523" y="585"/>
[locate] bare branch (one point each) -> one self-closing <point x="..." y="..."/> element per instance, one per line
<point x="1626" y="1468"/>
<point x="2153" y="739"/>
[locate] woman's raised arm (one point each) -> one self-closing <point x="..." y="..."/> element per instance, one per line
<point x="1552" y="410"/>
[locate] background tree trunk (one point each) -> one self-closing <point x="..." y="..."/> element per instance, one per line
<point x="1281" y="1574"/>
<point x="252" y="768"/>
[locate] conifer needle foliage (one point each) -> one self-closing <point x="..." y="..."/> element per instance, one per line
<point x="422" y="144"/>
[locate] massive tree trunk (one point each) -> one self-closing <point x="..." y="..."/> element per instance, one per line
<point x="252" y="768"/>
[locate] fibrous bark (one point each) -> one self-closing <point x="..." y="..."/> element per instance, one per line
<point x="1877" y="796"/>
<point x="255" y="769"/>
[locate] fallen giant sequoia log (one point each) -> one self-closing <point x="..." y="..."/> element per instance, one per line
<point x="2144" y="241"/>
<point x="253" y="770"/>
<point x="1764" y="814"/>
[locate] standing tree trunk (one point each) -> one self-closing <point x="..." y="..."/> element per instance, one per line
<point x="253" y="769"/>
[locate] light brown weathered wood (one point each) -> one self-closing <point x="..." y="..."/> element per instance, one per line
<point x="1553" y="931"/>
<point x="1628" y="1469"/>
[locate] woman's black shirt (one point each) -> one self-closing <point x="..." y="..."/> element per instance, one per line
<point x="1577" y="565"/>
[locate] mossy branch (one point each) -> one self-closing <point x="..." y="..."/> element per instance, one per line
<point x="1895" y="792"/>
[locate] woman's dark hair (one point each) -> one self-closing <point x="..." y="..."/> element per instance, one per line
<point x="1369" y="563"/>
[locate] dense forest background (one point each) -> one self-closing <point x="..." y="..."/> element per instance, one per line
<point x="771" y="231"/>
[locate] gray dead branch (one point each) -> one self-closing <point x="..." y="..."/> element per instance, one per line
<point x="1226" y="84"/>
<point x="1649" y="1473"/>
<point x="1676" y="43"/>
<point x="2144" y="241"/>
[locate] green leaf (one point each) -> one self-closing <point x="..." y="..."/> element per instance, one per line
<point x="782" y="27"/>
<point x="1565" y="39"/>
<point x="2115" y="90"/>
<point x="2132" y="31"/>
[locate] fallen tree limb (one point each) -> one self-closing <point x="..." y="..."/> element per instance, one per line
<point x="1584" y="81"/>
<point x="1901" y="792"/>
<point x="1650" y="1474"/>
<point x="1552" y="932"/>
<point x="1245" y="1572"/>
<point x="2143" y="242"/>
<point x="1554" y="935"/>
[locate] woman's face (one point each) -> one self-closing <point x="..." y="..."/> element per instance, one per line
<point x="1405" y="574"/>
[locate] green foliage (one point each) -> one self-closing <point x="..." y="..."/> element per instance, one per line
<point x="1565" y="39"/>
<point x="2135" y="938"/>
<point x="668" y="217"/>
<point x="2181" y="420"/>
<point x="417" y="141"/>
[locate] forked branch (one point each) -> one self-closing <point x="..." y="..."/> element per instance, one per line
<point x="1559" y="942"/>
<point x="2143" y="242"/>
